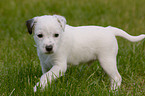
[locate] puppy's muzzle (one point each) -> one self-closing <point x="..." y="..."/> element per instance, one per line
<point x="49" y="48"/>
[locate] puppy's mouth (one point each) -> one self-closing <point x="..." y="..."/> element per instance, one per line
<point x="48" y="52"/>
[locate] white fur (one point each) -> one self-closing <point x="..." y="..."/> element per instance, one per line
<point x="76" y="45"/>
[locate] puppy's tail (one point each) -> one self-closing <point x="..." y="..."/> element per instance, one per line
<point x="121" y="33"/>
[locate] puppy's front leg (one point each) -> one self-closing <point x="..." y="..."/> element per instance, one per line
<point x="55" y="72"/>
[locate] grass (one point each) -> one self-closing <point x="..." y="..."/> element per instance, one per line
<point x="19" y="63"/>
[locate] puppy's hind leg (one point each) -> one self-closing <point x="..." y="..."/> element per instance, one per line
<point x="108" y="63"/>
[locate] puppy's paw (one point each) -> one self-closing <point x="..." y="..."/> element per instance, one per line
<point x="43" y="83"/>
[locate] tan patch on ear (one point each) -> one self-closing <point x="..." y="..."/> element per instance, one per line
<point x="33" y="26"/>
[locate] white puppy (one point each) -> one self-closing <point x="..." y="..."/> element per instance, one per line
<point x="59" y="44"/>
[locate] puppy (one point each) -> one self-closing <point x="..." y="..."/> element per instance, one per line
<point x="59" y="44"/>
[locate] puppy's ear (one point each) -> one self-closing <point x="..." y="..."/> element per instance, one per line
<point x="30" y="24"/>
<point x="61" y="20"/>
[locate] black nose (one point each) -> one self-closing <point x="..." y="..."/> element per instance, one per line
<point x="49" y="48"/>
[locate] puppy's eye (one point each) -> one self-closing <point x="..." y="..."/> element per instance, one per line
<point x="56" y="35"/>
<point x="40" y="35"/>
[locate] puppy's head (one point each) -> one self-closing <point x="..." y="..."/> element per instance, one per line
<point x="47" y="31"/>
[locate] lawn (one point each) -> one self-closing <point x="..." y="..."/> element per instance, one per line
<point x="19" y="64"/>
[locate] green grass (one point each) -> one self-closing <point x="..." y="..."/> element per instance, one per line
<point x="19" y="63"/>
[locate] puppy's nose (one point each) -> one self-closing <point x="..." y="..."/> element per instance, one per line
<point x="49" y="48"/>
